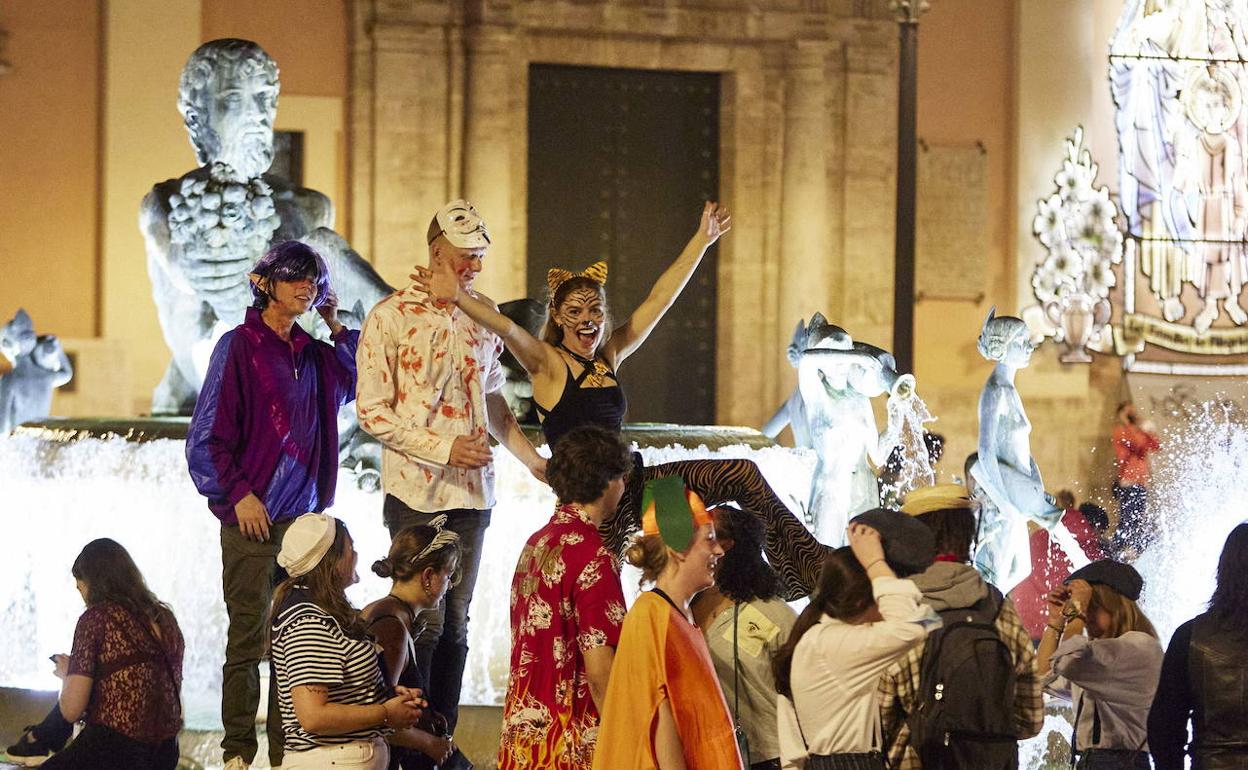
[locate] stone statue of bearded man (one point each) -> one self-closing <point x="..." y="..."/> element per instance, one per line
<point x="206" y="229"/>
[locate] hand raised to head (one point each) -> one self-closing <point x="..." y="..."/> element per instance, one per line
<point x="866" y="545"/>
<point x="438" y="280"/>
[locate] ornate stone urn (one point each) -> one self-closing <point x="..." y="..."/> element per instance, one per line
<point x="1077" y="318"/>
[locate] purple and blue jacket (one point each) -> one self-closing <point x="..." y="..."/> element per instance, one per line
<point x="266" y="421"/>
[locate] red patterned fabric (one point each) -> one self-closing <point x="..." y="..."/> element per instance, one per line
<point x="1049" y="567"/>
<point x="565" y="599"/>
<point x="132" y="691"/>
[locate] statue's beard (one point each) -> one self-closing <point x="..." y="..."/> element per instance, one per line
<point x="250" y="154"/>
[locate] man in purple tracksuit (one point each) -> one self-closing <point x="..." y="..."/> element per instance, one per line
<point x="263" y="448"/>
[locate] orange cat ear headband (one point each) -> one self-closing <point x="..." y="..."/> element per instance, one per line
<point x="596" y="272"/>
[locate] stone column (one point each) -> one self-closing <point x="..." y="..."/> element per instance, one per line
<point x="805" y="246"/>
<point x="490" y="128"/>
<point x="409" y="142"/>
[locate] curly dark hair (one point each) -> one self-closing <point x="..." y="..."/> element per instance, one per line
<point x="743" y="574"/>
<point x="584" y="461"/>
<point x="1229" y="605"/>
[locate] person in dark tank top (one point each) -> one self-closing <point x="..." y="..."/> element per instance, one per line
<point x="574" y="367"/>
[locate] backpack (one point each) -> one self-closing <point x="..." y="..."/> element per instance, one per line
<point x="964" y="717"/>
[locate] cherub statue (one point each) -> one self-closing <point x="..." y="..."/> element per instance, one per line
<point x="205" y="229"/>
<point x="1006" y="479"/>
<point x="35" y="366"/>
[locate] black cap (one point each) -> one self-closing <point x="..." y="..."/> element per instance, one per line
<point x="909" y="545"/>
<point x="1121" y="577"/>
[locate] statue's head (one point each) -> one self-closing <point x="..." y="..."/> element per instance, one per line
<point x="875" y="370"/>
<point x="1005" y="340"/>
<point x="228" y="98"/>
<point x="17" y="337"/>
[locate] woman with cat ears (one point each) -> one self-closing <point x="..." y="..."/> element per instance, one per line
<point x="573" y="369"/>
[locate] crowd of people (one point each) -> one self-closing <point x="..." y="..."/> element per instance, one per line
<point x="904" y="657"/>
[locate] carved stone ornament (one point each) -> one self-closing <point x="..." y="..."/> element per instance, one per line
<point x="908" y="11"/>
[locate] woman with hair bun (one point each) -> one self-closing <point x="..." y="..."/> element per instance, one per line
<point x="423" y="564"/>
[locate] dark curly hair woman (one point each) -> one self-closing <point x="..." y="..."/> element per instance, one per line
<point x="744" y="620"/>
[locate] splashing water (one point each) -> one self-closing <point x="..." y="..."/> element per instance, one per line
<point x="58" y="494"/>
<point x="1199" y="485"/>
<point x="913" y="465"/>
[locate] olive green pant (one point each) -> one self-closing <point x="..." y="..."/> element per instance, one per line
<point x="248" y="576"/>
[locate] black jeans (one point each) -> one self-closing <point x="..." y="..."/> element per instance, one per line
<point x="54" y="731"/>
<point x="441" y="647"/>
<point x="99" y="747"/>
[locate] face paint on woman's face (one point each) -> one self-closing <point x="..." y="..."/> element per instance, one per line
<point x="581" y="317"/>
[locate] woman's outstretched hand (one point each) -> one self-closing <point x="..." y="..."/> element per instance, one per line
<point x="439" y="281"/>
<point x="716" y="220"/>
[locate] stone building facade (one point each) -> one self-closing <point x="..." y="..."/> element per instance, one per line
<point x="438" y="109"/>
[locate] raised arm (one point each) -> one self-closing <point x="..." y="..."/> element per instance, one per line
<point x="441" y="283"/>
<point x="715" y="222"/>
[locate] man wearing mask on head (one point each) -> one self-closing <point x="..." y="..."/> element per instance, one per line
<point x="430" y="390"/>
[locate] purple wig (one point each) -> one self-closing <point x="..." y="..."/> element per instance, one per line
<point x="291" y="261"/>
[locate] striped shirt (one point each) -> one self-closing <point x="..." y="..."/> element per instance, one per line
<point x="309" y="648"/>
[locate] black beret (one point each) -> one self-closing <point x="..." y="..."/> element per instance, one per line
<point x="909" y="545"/>
<point x="1121" y="577"/>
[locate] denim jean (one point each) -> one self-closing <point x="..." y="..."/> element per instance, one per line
<point x="441" y="647"/>
<point x="248" y="577"/>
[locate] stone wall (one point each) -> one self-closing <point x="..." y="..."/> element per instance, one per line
<point x="808" y="135"/>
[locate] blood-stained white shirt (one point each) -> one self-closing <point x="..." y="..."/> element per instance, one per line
<point x="423" y="373"/>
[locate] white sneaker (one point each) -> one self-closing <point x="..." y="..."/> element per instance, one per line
<point x="237" y="763"/>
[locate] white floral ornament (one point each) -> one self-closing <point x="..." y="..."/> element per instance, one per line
<point x="1077" y="225"/>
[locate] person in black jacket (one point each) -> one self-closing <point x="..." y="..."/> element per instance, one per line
<point x="1204" y="677"/>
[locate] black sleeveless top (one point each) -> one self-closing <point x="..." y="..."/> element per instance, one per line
<point x="579" y="406"/>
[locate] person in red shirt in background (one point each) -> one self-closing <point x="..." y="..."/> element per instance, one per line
<point x="1049" y="565"/>
<point x="1133" y="443"/>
